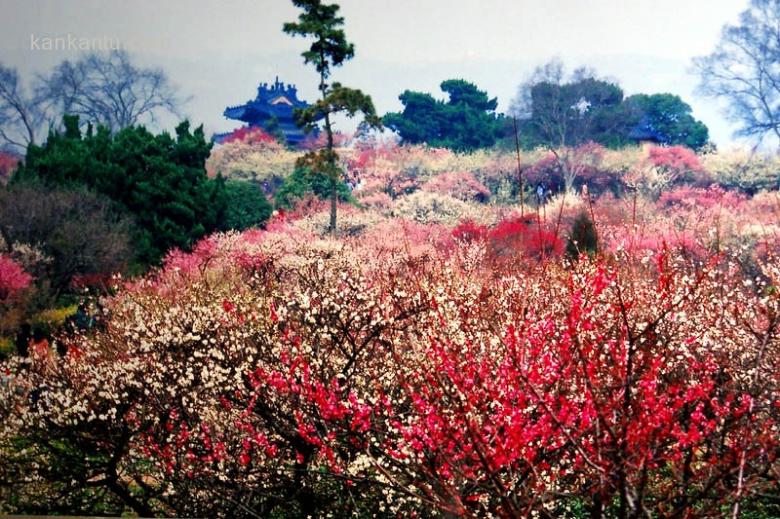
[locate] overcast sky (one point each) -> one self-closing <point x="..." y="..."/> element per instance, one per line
<point x="218" y="51"/>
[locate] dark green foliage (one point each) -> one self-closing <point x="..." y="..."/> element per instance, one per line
<point x="158" y="179"/>
<point x="465" y="122"/>
<point x="554" y="112"/>
<point x="340" y="99"/>
<point x="330" y="47"/>
<point x="66" y="463"/>
<point x="760" y="507"/>
<point x="303" y="182"/>
<point x="570" y="114"/>
<point x="246" y="206"/>
<point x="583" y="237"/>
<point x="670" y="118"/>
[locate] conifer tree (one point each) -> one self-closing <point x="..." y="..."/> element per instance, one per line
<point x="583" y="237"/>
<point x="329" y="49"/>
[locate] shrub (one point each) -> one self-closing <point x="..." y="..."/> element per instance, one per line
<point x="13" y="279"/>
<point x="302" y="182"/>
<point x="582" y="238"/>
<point x="75" y="233"/>
<point x="14" y="284"/>
<point x="158" y="179"/>
<point x="468" y="231"/>
<point x="262" y="162"/>
<point x="715" y="196"/>
<point x="522" y="238"/>
<point x="462" y="186"/>
<point x="426" y="207"/>
<point x="678" y="159"/>
<point x="743" y="169"/>
<point x="249" y="135"/>
<point x="245" y="206"/>
<point x="8" y="164"/>
<point x="382" y="170"/>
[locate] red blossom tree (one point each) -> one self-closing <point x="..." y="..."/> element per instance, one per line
<point x="8" y="164"/>
<point x="13" y="279"/>
<point x="678" y="164"/>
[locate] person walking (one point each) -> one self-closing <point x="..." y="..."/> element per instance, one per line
<point x="540" y="193"/>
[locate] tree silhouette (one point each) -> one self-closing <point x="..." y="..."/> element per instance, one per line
<point x="743" y="70"/>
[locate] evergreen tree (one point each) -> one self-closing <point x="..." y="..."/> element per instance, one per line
<point x="247" y="206"/>
<point x="556" y="110"/>
<point x="301" y="182"/>
<point x="465" y="122"/>
<point x="329" y="49"/>
<point x="670" y="119"/>
<point x="158" y="179"/>
<point x="583" y="237"/>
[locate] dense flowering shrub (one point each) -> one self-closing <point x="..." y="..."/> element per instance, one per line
<point x="582" y="162"/>
<point x="427" y="207"/>
<point x="8" y="164"/>
<point x="14" y="289"/>
<point x="440" y="357"/>
<point x="676" y="158"/>
<point x="497" y="170"/>
<point x="13" y="279"/>
<point x="262" y="161"/>
<point x="249" y="135"/>
<point x="743" y="169"/>
<point x="376" y="201"/>
<point x="512" y="240"/>
<point x="462" y="186"/>
<point x="469" y="231"/>
<point x="354" y="222"/>
<point x="31" y="258"/>
<point x="404" y="168"/>
<point x="664" y="167"/>
<point x="702" y="198"/>
<point x="381" y="170"/>
<point x="279" y="372"/>
<point x="622" y="160"/>
<point x="547" y="170"/>
<point x="570" y="167"/>
<point x="526" y="236"/>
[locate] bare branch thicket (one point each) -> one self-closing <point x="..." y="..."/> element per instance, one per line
<point x="744" y="71"/>
<point x="102" y="89"/>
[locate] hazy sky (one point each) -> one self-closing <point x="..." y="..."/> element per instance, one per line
<point x="218" y="51"/>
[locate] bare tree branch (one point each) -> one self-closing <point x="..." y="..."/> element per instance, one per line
<point x="21" y="120"/>
<point x="108" y="90"/>
<point x="744" y="70"/>
<point x="102" y="89"/>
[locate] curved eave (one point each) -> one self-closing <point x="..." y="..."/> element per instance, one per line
<point x="235" y="112"/>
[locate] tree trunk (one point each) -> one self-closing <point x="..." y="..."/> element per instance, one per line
<point x="333" y="204"/>
<point x="331" y="165"/>
<point x="597" y="507"/>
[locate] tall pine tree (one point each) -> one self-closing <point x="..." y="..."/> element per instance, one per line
<point x="329" y="49"/>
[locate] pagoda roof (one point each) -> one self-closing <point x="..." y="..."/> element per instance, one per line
<point x="274" y="100"/>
